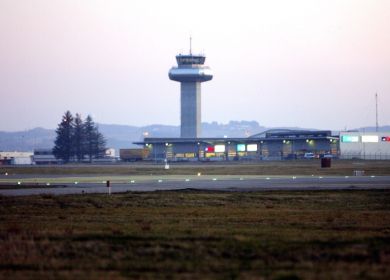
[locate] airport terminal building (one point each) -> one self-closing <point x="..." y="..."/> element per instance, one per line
<point x="280" y="144"/>
<point x="269" y="145"/>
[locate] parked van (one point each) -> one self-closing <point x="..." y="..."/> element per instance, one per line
<point x="308" y="156"/>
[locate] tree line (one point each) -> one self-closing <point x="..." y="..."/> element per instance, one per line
<point x="77" y="140"/>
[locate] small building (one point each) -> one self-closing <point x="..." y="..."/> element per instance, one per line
<point x="110" y="153"/>
<point x="108" y="157"/>
<point x="44" y="156"/>
<point x="365" y="145"/>
<point x="16" y="158"/>
<point x="269" y="145"/>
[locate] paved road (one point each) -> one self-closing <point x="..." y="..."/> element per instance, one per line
<point x="223" y="183"/>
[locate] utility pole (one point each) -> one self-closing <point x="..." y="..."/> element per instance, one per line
<point x="376" y="110"/>
<point x="190" y="45"/>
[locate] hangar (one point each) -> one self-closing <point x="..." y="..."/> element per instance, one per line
<point x="365" y="145"/>
<point x="268" y="145"/>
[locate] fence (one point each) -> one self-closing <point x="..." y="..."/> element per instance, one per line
<point x="366" y="156"/>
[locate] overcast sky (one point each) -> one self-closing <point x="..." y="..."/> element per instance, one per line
<point x="313" y="64"/>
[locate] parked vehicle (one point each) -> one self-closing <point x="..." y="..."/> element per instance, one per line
<point x="327" y="156"/>
<point x="308" y="156"/>
<point x="133" y="154"/>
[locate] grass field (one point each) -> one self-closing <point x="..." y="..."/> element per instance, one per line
<point x="197" y="235"/>
<point x="298" y="167"/>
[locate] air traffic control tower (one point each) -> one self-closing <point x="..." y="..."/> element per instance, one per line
<point x="190" y="72"/>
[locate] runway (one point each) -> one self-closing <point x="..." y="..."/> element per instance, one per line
<point x="88" y="184"/>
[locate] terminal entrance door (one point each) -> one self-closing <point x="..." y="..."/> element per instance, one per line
<point x="287" y="148"/>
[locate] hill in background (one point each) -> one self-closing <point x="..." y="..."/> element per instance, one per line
<point x="123" y="136"/>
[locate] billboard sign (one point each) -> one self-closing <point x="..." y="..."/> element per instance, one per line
<point x="240" y="147"/>
<point x="349" y="138"/>
<point x="209" y="149"/>
<point x="251" y="147"/>
<point x="219" y="148"/>
<point x="370" y="138"/>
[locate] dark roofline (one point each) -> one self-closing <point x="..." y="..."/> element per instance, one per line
<point x="171" y="140"/>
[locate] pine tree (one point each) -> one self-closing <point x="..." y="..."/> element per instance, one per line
<point x="100" y="144"/>
<point x="89" y="132"/>
<point x="95" y="144"/>
<point x="63" y="145"/>
<point x="79" y="138"/>
<point x="76" y="138"/>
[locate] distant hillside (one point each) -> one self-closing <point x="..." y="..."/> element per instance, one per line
<point x="231" y="129"/>
<point x="123" y="136"/>
<point x="27" y="140"/>
<point x="373" y="128"/>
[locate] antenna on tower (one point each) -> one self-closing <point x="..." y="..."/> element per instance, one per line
<point x="376" y="110"/>
<point x="190" y="45"/>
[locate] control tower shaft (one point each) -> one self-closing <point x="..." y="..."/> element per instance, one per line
<point x="190" y="72"/>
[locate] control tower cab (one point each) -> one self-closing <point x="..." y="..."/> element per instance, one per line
<point x="190" y="72"/>
<point x="190" y="69"/>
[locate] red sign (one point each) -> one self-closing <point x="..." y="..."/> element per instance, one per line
<point x="386" y="139"/>
<point x="209" y="149"/>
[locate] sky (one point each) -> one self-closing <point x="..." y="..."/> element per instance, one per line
<point x="301" y="63"/>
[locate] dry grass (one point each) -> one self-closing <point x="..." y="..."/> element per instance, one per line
<point x="197" y="235"/>
<point x="299" y="167"/>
